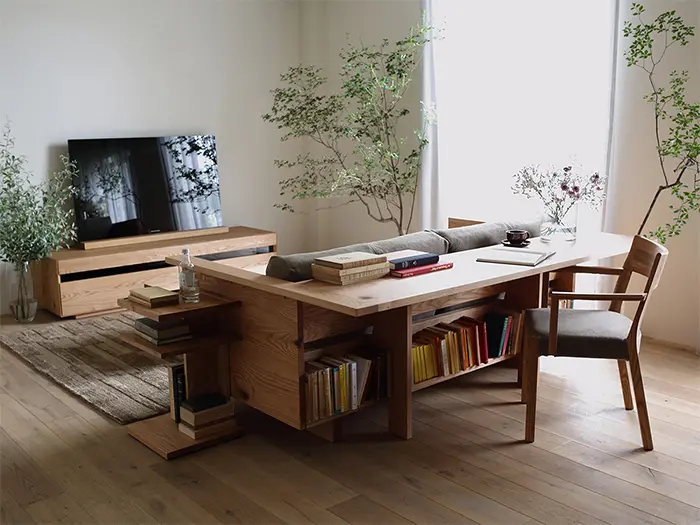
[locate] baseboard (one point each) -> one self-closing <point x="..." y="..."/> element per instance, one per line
<point x="669" y="344"/>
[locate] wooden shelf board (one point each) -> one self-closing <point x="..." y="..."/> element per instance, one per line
<point x="440" y="379"/>
<point x="165" y="313"/>
<point x="342" y="414"/>
<point x="162" y="436"/>
<point x="171" y="349"/>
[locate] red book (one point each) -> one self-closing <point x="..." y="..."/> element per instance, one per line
<point x="509" y="324"/>
<point x="483" y="343"/>
<point x="429" y="268"/>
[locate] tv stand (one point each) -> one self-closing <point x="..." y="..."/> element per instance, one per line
<point x="82" y="282"/>
<point x="151" y="237"/>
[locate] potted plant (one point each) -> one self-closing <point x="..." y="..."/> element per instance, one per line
<point x="34" y="220"/>
<point x="360" y="152"/>
<point x="560" y="190"/>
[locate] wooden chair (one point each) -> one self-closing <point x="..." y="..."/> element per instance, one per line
<point x="603" y="334"/>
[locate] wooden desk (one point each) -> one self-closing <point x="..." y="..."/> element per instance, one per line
<point x="282" y="323"/>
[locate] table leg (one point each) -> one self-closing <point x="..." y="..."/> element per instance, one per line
<point x="392" y="332"/>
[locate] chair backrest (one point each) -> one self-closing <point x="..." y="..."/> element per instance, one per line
<point x="646" y="258"/>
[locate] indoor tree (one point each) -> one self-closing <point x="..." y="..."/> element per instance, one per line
<point x="363" y="156"/>
<point x="34" y="219"/>
<point x="676" y="120"/>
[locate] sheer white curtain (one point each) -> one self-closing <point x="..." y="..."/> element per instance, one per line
<point x="515" y="83"/>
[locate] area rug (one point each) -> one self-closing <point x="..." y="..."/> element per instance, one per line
<point x="87" y="359"/>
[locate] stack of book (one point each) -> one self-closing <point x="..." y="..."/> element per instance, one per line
<point x="341" y="384"/>
<point x="153" y="296"/>
<point x="349" y="268"/>
<point x="408" y="263"/>
<point x="450" y="348"/>
<point x="162" y="333"/>
<point x="207" y="415"/>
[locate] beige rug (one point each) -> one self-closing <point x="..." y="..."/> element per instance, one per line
<point x="87" y="358"/>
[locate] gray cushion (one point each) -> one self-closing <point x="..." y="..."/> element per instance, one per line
<point x="425" y="241"/>
<point x="487" y="234"/>
<point x="297" y="267"/>
<point x="582" y="333"/>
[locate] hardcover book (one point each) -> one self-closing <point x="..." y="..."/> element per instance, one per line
<point x="158" y="330"/>
<point x="349" y="279"/>
<point x="420" y="270"/>
<point x="414" y="261"/>
<point x="344" y="261"/>
<point x="155" y="295"/>
<point x="161" y="342"/>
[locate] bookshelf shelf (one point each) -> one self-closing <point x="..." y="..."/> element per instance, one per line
<point x="436" y="380"/>
<point x="176" y="311"/>
<point x="172" y="349"/>
<point x="161" y="435"/>
<point x="342" y="414"/>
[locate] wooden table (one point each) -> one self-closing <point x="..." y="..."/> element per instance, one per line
<point x="284" y="324"/>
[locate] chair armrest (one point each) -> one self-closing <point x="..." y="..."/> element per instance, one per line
<point x="599" y="296"/>
<point x="600" y="270"/>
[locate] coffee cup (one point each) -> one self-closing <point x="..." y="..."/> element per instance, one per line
<point x="517" y="237"/>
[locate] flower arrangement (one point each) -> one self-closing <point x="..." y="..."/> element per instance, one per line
<point x="560" y="190"/>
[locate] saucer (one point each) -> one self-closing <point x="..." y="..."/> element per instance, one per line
<point x="505" y="242"/>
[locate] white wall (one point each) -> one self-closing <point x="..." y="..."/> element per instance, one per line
<point x="97" y="68"/>
<point x="327" y="24"/>
<point x="674" y="312"/>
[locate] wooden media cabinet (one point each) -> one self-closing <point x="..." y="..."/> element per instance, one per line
<point x="89" y="280"/>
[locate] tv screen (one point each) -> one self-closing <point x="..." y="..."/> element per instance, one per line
<point x="134" y="186"/>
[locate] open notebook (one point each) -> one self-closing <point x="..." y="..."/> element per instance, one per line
<point x="520" y="256"/>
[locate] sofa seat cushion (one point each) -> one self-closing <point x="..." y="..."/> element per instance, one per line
<point x="487" y="234"/>
<point x="297" y="267"/>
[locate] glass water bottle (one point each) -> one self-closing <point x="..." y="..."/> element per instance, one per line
<point x="189" y="287"/>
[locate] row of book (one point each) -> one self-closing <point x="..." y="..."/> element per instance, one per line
<point x="356" y="267"/>
<point x="206" y="415"/>
<point x="450" y="348"/>
<point x="334" y="385"/>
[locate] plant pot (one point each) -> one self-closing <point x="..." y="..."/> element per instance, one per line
<point x="23" y="305"/>
<point x="560" y="225"/>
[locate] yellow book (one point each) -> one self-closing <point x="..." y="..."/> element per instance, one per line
<point x="426" y="363"/>
<point x="414" y="359"/>
<point x="431" y="361"/>
<point x="421" y="362"/>
<point x="343" y="387"/>
<point x="455" y="353"/>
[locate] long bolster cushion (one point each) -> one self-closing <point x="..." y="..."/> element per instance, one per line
<point x="297" y="267"/>
<point x="487" y="234"/>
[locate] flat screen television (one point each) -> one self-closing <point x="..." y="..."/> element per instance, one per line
<point x="134" y="186"/>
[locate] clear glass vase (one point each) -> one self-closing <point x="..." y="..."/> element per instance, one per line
<point x="23" y="304"/>
<point x="560" y="226"/>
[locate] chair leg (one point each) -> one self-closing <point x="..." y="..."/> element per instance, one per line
<point x="531" y="368"/>
<point x="641" y="399"/>
<point x="625" y="382"/>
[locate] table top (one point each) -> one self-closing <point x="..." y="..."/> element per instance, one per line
<point x="387" y="293"/>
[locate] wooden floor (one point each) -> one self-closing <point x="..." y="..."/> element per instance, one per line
<point x="64" y="463"/>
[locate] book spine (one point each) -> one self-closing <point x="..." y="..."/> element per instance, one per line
<point x="328" y="391"/>
<point x="180" y="391"/>
<point x="484" y="343"/>
<point x="145" y="329"/>
<point x="421" y="270"/>
<point x="353" y="385"/>
<point x="336" y="390"/>
<point x="415" y="262"/>
<point x="504" y="337"/>
<point x="445" y="357"/>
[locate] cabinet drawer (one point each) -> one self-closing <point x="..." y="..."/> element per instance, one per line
<point x="86" y="296"/>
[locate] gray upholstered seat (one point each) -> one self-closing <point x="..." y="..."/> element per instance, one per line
<point x="599" y="334"/>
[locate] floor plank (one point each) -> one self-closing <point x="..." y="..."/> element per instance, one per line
<point x="363" y="511"/>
